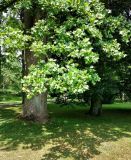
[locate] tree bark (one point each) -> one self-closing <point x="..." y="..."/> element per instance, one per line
<point x="96" y="106"/>
<point x="35" y="108"/>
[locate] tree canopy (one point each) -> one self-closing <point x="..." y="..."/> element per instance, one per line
<point x="69" y="45"/>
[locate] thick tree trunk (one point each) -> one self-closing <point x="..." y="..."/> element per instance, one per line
<point x="35" y="108"/>
<point x="96" y="106"/>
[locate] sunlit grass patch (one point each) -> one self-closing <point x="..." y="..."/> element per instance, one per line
<point x="71" y="134"/>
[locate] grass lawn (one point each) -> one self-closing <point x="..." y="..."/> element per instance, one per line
<point x="70" y="135"/>
<point x="10" y="99"/>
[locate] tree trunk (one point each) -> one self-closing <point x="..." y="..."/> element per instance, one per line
<point x="96" y="106"/>
<point x="35" y="108"/>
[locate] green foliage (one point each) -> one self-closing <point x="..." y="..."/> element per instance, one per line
<point x="68" y="40"/>
<point x="61" y="79"/>
<point x="10" y="74"/>
<point x="12" y="39"/>
<point x="123" y="71"/>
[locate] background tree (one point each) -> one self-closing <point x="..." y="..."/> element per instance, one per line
<point x="123" y="66"/>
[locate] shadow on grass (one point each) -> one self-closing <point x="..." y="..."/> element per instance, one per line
<point x="70" y="133"/>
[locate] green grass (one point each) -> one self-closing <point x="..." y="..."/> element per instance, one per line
<point x="9" y="98"/>
<point x="70" y="134"/>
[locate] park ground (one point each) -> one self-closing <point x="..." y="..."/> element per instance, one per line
<point x="69" y="135"/>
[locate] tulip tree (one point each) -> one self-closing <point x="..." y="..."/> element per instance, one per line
<point x="64" y="42"/>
